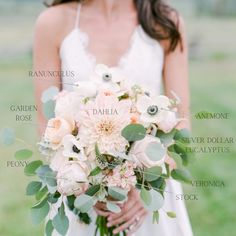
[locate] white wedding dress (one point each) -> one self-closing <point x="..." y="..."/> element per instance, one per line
<point x="143" y="64"/>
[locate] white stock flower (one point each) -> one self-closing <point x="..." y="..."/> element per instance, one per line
<point x="73" y="148"/>
<point x="72" y="178"/>
<point x="138" y="152"/>
<point x="153" y="109"/>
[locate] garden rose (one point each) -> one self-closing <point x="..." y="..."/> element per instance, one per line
<point x="56" y="129"/>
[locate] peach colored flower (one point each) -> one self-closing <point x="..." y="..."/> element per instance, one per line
<point x="101" y="122"/>
<point x="56" y="129"/>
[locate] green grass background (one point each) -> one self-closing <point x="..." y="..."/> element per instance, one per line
<point x="213" y="88"/>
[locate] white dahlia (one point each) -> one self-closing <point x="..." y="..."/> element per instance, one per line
<point x="102" y="121"/>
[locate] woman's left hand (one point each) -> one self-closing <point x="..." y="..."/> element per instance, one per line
<point x="131" y="216"/>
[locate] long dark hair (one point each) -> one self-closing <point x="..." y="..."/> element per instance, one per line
<point x="155" y="17"/>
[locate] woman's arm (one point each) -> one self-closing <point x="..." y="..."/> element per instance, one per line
<point x="45" y="58"/>
<point x="175" y="75"/>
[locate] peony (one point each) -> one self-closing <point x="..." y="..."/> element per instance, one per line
<point x="138" y="151"/>
<point x="73" y="148"/>
<point x="56" y="129"/>
<point x="169" y="122"/>
<point x="153" y="109"/>
<point x="101" y="123"/>
<point x="72" y="178"/>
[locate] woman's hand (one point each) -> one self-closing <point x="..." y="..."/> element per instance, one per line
<point x="131" y="216"/>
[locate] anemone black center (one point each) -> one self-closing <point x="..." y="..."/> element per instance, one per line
<point x="152" y="110"/>
<point x="75" y="149"/>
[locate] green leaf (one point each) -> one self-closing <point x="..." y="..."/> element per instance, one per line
<point x="113" y="207"/>
<point x="157" y="201"/>
<point x="7" y="136"/>
<point x="84" y="203"/>
<point x="171" y="214"/>
<point x="155" y="151"/>
<point x="70" y="201"/>
<point x="134" y="132"/>
<point x="49" y="94"/>
<point x="32" y="167"/>
<point x="61" y="209"/>
<point x="23" y="154"/>
<point x="93" y="190"/>
<point x="155" y="217"/>
<point x="146" y="196"/>
<point x="49" y="228"/>
<point x="181" y="150"/>
<point x="48" y="109"/>
<point x="117" y="193"/>
<point x="39" y="213"/>
<point x="152" y="173"/>
<point x="95" y="171"/>
<point x="157" y="183"/>
<point x="97" y="151"/>
<point x="47" y="175"/>
<point x="53" y="198"/>
<point x="166" y="138"/>
<point x="85" y="218"/>
<point x="60" y="221"/>
<point x="182" y="135"/>
<point x="33" y="187"/>
<point x="40" y="203"/>
<point x="181" y="175"/>
<point x="41" y="194"/>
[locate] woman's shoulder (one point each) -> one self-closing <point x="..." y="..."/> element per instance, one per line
<point x="57" y="20"/>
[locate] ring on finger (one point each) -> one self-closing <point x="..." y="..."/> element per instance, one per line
<point x="134" y="224"/>
<point x="137" y="219"/>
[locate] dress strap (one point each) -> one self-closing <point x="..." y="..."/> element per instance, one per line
<point x="78" y="15"/>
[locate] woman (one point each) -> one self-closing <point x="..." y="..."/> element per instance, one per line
<point x="143" y="38"/>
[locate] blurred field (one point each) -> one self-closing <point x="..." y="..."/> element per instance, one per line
<point x="213" y="87"/>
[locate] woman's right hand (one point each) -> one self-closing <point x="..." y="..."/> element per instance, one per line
<point x="101" y="209"/>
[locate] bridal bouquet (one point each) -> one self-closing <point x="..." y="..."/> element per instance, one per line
<point x="106" y="137"/>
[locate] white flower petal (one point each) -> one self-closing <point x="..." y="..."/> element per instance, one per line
<point x="143" y="103"/>
<point x="86" y="88"/>
<point x="117" y="75"/>
<point x="101" y="69"/>
<point x="162" y="101"/>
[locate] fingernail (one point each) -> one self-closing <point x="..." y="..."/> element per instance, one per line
<point x="115" y="232"/>
<point x="109" y="225"/>
<point x="109" y="218"/>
